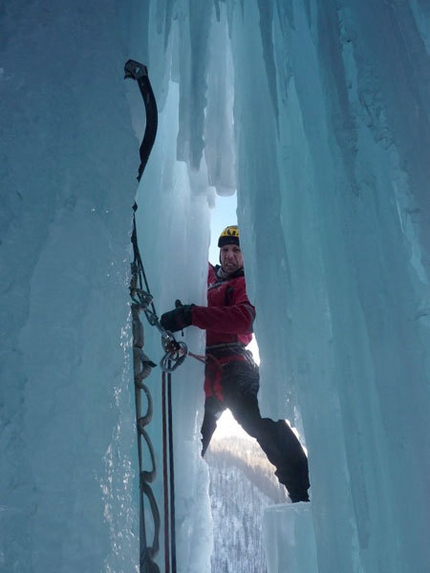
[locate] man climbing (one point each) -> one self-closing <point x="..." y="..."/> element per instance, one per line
<point x="231" y="375"/>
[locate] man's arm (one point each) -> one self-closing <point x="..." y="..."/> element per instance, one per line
<point x="236" y="316"/>
<point x="234" y="319"/>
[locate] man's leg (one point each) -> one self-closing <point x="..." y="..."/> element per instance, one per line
<point x="280" y="445"/>
<point x="276" y="439"/>
<point x="284" y="451"/>
<point x="213" y="410"/>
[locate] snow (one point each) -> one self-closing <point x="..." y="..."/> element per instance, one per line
<point x="317" y="113"/>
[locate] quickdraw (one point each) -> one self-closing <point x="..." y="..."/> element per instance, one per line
<point x="175" y="354"/>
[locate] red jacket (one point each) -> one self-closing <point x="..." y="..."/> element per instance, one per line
<point x="229" y="315"/>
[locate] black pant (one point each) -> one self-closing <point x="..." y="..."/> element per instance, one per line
<point x="240" y="384"/>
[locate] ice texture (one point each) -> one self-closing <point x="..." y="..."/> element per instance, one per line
<point x="317" y="113"/>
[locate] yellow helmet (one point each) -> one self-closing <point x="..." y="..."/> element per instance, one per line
<point x="230" y="235"/>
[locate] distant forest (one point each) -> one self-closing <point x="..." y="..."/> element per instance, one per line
<point x="242" y="485"/>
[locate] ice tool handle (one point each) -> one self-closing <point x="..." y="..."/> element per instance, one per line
<point x="139" y="72"/>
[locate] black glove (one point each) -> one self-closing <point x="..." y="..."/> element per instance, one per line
<point x="178" y="318"/>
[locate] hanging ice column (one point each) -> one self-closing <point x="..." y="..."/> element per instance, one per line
<point x="208" y="61"/>
<point x="173" y="223"/>
<point x="332" y="130"/>
<point x="67" y="186"/>
<point x="288" y="529"/>
<point x="333" y="133"/>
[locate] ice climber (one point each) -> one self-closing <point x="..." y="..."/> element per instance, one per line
<point x="231" y="375"/>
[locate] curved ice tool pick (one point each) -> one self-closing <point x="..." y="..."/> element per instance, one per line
<point x="139" y="72"/>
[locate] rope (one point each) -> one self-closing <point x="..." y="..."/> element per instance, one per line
<point x="198" y="357"/>
<point x="172" y="473"/>
<point x="165" y="478"/>
<point x="168" y="476"/>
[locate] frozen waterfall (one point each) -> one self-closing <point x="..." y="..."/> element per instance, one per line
<point x="317" y="113"/>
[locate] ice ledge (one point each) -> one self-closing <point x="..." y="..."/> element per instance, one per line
<point x="289" y="538"/>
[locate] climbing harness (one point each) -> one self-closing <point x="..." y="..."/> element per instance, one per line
<point x="174" y="354"/>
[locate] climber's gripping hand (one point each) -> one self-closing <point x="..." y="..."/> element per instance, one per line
<point x="177" y="319"/>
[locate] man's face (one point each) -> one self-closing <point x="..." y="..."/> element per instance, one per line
<point x="231" y="258"/>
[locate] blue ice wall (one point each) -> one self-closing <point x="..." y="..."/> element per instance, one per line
<point x="68" y="165"/>
<point x="331" y="130"/>
<point x="333" y="199"/>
